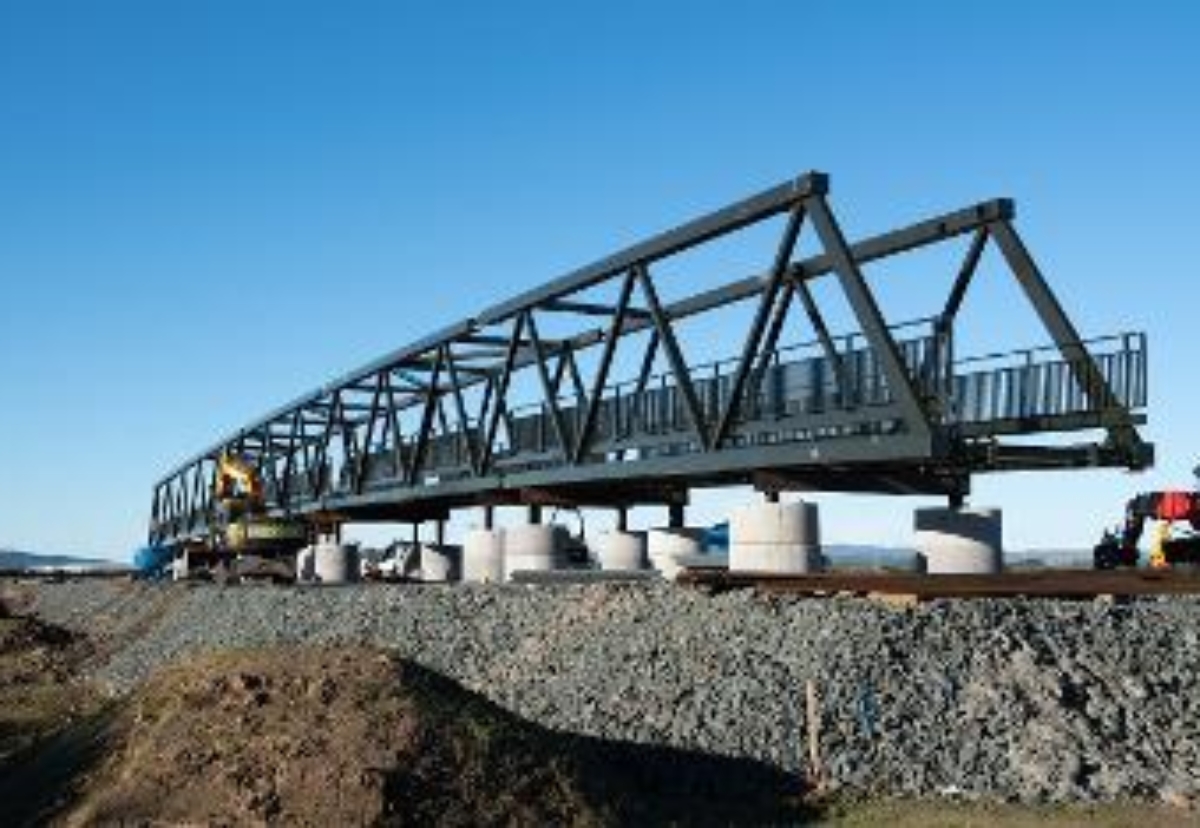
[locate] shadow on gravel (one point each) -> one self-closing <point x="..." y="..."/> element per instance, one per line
<point x="479" y="764"/>
<point x="36" y="784"/>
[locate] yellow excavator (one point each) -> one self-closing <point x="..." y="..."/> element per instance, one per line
<point x="237" y="482"/>
<point x="244" y="542"/>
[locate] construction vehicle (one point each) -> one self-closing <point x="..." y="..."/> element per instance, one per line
<point x="243" y="541"/>
<point x="152" y="563"/>
<point x="1176" y="537"/>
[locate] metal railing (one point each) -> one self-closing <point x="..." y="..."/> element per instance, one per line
<point x="1028" y="386"/>
<point x="1036" y="384"/>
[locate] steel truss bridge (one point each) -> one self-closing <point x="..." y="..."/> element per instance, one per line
<point x="495" y="411"/>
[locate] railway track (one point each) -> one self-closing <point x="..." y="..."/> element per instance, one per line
<point x="1077" y="584"/>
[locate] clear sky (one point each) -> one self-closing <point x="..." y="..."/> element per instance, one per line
<point x="209" y="208"/>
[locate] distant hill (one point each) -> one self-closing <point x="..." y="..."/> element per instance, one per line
<point x="16" y="559"/>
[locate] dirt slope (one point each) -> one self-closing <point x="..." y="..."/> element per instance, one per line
<point x="348" y="737"/>
<point x="39" y="689"/>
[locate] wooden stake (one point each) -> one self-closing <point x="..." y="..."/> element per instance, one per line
<point x="812" y="706"/>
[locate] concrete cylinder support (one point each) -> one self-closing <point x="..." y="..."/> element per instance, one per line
<point x="483" y="556"/>
<point x="179" y="567"/>
<point x="533" y="547"/>
<point x="439" y="563"/>
<point x="335" y="563"/>
<point x="666" y="547"/>
<point x="775" y="537"/>
<point x="306" y="564"/>
<point x="622" y="551"/>
<point x="960" y="541"/>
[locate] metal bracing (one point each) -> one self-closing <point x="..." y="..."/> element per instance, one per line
<point x="766" y="306"/>
<point x="592" y="400"/>
<point x="679" y="368"/>
<point x="1056" y="321"/>
<point x="870" y="318"/>
<point x="438" y="423"/>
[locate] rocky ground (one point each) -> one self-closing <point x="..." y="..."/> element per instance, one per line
<point x="1035" y="701"/>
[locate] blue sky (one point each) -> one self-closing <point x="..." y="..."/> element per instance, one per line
<point x="209" y="208"/>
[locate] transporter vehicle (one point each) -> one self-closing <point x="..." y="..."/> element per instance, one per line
<point x="1176" y="538"/>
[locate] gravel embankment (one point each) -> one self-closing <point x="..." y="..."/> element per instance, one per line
<point x="1033" y="700"/>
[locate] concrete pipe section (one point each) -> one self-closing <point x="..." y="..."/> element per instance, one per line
<point x="533" y="547"/>
<point x="439" y="563"/>
<point x="960" y="541"/>
<point x="180" y="568"/>
<point x="622" y="551"/>
<point x="306" y="564"/>
<point x="775" y="537"/>
<point x="336" y="563"/>
<point x="483" y="556"/>
<point x="666" y="547"/>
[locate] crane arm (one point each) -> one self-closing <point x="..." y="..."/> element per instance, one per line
<point x="237" y="480"/>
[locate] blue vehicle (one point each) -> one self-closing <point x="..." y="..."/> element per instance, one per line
<point x="152" y="563"/>
<point x="716" y="538"/>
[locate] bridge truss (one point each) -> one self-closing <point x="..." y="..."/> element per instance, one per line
<point x="496" y="411"/>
